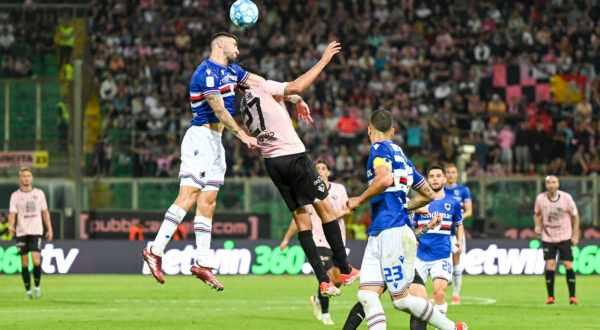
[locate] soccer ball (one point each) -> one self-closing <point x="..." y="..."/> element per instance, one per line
<point x="243" y="13"/>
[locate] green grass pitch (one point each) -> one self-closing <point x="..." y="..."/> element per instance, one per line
<point x="273" y="302"/>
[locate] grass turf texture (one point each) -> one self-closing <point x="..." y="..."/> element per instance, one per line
<point x="273" y="302"/>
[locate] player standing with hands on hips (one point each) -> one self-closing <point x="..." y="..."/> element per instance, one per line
<point x="27" y="210"/>
<point x="557" y="221"/>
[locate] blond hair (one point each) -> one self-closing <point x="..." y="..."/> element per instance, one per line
<point x="25" y="169"/>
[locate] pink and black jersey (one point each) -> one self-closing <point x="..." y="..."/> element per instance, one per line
<point x="267" y="118"/>
<point x="556" y="216"/>
<point x="28" y="205"/>
<point x="337" y="198"/>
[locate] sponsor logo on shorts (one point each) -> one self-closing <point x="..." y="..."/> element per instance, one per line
<point x="196" y="152"/>
<point x="321" y="188"/>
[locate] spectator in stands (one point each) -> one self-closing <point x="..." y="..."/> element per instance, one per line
<point x="347" y="126"/>
<point x="522" y="143"/>
<point x="108" y="89"/>
<point x="506" y="140"/>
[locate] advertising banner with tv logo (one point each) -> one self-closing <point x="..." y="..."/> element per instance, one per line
<point x="258" y="257"/>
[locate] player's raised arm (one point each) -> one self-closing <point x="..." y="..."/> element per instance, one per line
<point x="301" y="83"/>
<point x="215" y="101"/>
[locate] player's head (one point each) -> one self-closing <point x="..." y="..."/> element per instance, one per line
<point x="451" y="173"/>
<point x="25" y="176"/>
<point x="323" y="168"/>
<point x="225" y="43"/>
<point x="552" y="183"/>
<point x="381" y="122"/>
<point x="436" y="177"/>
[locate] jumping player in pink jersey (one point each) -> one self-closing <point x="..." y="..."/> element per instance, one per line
<point x="554" y="212"/>
<point x="338" y="198"/>
<point x="290" y="168"/>
<point x="28" y="208"/>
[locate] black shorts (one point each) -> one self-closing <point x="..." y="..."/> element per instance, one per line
<point x="417" y="279"/>
<point x="297" y="179"/>
<point x="564" y="248"/>
<point x="29" y="243"/>
<point x="326" y="256"/>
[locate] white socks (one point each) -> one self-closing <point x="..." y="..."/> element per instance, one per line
<point x="442" y="308"/>
<point x="202" y="229"/>
<point x="172" y="219"/>
<point x="457" y="280"/>
<point x="425" y="311"/>
<point x="374" y="315"/>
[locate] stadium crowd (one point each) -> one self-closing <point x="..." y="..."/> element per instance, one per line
<point x="429" y="62"/>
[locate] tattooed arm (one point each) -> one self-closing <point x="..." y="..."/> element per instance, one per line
<point x="218" y="106"/>
<point x="425" y="196"/>
<point x="436" y="220"/>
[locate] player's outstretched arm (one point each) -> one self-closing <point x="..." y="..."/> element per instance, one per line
<point x="218" y="106"/>
<point x="288" y="235"/>
<point x="380" y="183"/>
<point x="301" y="83"/>
<point x="254" y="79"/>
<point x="425" y="196"/>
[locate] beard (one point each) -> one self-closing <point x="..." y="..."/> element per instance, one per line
<point x="230" y="58"/>
<point x="438" y="188"/>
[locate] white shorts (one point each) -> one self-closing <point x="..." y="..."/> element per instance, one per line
<point x="202" y="159"/>
<point x="437" y="269"/>
<point x="453" y="244"/>
<point x="389" y="260"/>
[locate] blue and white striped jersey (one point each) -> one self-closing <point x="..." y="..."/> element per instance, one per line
<point x="212" y="78"/>
<point x="389" y="210"/>
<point x="435" y="244"/>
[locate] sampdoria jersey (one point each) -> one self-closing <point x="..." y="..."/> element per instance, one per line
<point x="389" y="210"/>
<point x="435" y="244"/>
<point x="212" y="78"/>
<point x="267" y="118"/>
<point x="462" y="194"/>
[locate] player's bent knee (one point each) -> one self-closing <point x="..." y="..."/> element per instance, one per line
<point x="401" y="304"/>
<point x="367" y="298"/>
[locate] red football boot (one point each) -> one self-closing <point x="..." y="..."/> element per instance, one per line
<point x="347" y="279"/>
<point x="154" y="263"/>
<point x="207" y="276"/>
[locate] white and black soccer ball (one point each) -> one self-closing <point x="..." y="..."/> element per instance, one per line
<point x="243" y="13"/>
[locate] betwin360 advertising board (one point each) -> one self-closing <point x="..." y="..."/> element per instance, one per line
<point x="241" y="257"/>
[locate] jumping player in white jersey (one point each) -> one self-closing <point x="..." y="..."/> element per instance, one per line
<point x="392" y="247"/>
<point x="290" y="168"/>
<point x="554" y="211"/>
<point x="27" y="210"/>
<point x="338" y="198"/>
<point x="433" y="253"/>
<point x="212" y="93"/>
<point x="462" y="194"/>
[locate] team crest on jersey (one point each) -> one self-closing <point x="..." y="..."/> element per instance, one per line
<point x="376" y="146"/>
<point x="210" y="81"/>
<point x="447" y="206"/>
<point x="456" y="192"/>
